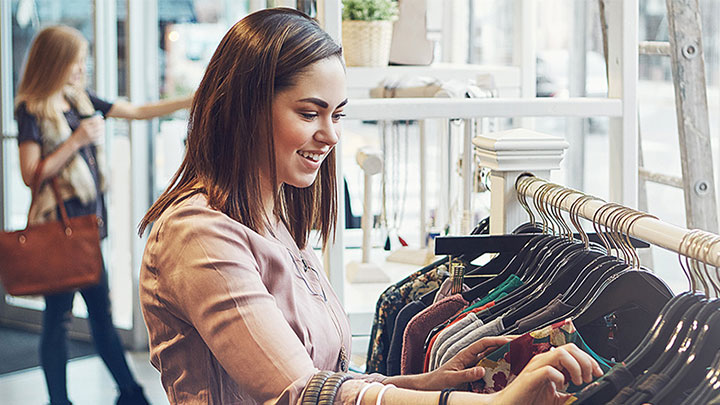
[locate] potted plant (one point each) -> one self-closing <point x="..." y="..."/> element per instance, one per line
<point x="367" y="31"/>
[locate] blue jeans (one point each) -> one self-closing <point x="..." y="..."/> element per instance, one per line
<point x="53" y="348"/>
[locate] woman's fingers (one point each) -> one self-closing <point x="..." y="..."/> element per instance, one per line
<point x="588" y="365"/>
<point x="481" y="346"/>
<point x="579" y="365"/>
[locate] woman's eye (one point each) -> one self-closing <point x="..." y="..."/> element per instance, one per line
<point x="338" y="116"/>
<point x="309" y="116"/>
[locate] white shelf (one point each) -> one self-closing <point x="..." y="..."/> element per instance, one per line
<point x="368" y="77"/>
<point x="424" y="108"/>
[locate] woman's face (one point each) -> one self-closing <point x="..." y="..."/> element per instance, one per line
<point x="77" y="72"/>
<point x="306" y="121"/>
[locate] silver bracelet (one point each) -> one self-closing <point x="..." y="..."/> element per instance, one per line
<point x="382" y="392"/>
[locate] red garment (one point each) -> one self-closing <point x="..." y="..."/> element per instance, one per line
<point x="420" y="326"/>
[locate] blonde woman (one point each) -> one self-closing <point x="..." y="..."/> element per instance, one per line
<point x="60" y="124"/>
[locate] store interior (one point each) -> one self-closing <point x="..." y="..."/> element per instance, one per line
<point x="411" y="158"/>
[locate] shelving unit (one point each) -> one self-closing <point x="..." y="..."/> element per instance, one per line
<point x="517" y="98"/>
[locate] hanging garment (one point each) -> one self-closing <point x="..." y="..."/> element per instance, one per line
<point x="420" y="325"/>
<point x="504" y="364"/>
<point x="492" y="328"/>
<point x="507" y="286"/>
<point x="445" y="290"/>
<point x="452" y="333"/>
<point x="391" y="302"/>
<point x="396" y="343"/>
<point x="553" y="310"/>
<point x="502" y="290"/>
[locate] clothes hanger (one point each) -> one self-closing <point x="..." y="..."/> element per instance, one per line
<point x="666" y="325"/>
<point x="575" y="266"/>
<point x="670" y="326"/>
<point x="589" y="275"/>
<point x="519" y="260"/>
<point x="573" y="261"/>
<point x="689" y="366"/>
<point x="707" y="389"/>
<point x="684" y="337"/>
<point x="538" y="258"/>
<point x="650" y="348"/>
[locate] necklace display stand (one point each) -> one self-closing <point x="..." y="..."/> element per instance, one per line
<point x="371" y="162"/>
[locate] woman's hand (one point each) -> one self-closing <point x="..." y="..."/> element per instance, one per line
<point x="461" y="369"/>
<point x="542" y="379"/>
<point x="90" y="131"/>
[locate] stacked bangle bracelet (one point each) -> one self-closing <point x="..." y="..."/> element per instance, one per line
<point x="312" y="390"/>
<point x="330" y="388"/>
<point x="323" y="387"/>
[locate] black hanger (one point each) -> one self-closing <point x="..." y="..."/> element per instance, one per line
<point x="545" y="269"/>
<point x="530" y="277"/>
<point x="565" y="274"/>
<point x="650" y="348"/>
<point x="581" y="269"/>
<point x="705" y="391"/>
<point x="691" y="366"/>
<point x="512" y="267"/>
<point x="589" y="278"/>
<point x="655" y="342"/>
<point x="622" y="290"/>
<point x="682" y="337"/>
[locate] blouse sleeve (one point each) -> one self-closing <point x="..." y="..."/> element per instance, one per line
<point x="28" y="129"/>
<point x="98" y="103"/>
<point x="214" y="283"/>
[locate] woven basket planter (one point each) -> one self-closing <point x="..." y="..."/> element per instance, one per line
<point x="366" y="43"/>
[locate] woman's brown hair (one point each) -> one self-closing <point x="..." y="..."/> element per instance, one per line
<point x="51" y="57"/>
<point x="230" y="132"/>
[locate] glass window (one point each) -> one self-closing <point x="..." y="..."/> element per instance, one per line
<point x="189" y="34"/>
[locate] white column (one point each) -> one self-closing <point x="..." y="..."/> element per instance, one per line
<point x="467" y="177"/>
<point x="330" y="13"/>
<point x="330" y="16"/>
<point x="575" y="126"/>
<point x="509" y="154"/>
<point x="622" y="21"/>
<point x="525" y="52"/>
<point x="423" y="184"/>
<point x="6" y="97"/>
<point x="142" y="82"/>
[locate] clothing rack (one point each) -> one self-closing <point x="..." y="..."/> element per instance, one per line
<point x="649" y="229"/>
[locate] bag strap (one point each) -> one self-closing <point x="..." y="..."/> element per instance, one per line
<point x="35" y="187"/>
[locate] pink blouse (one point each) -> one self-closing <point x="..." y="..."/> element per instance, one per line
<point x="237" y="317"/>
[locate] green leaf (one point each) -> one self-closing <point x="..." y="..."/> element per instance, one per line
<point x="369" y="10"/>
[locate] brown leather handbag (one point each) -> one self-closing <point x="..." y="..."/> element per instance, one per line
<point x="52" y="257"/>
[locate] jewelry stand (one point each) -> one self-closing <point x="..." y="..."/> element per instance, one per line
<point x="371" y="162"/>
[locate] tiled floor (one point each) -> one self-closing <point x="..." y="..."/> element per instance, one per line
<point x="89" y="383"/>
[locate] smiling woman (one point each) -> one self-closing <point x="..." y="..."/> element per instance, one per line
<point x="236" y="303"/>
<point x="306" y="122"/>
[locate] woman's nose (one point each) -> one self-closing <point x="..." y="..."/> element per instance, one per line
<point x="328" y="133"/>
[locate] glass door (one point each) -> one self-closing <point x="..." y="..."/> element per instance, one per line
<point x="21" y="20"/>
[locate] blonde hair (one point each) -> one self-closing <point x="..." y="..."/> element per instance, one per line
<point x="48" y="65"/>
